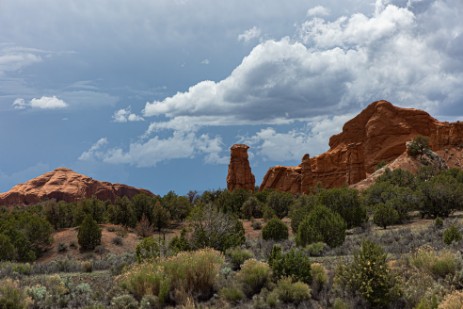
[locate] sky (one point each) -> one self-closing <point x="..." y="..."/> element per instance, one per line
<point x="153" y="93"/>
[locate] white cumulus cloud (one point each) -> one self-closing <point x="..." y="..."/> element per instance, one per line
<point x="250" y="34"/>
<point x="126" y="115"/>
<point x="318" y="10"/>
<point x="94" y="152"/>
<point x="40" y="103"/>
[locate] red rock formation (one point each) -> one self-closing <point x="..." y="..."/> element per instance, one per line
<point x="239" y="171"/>
<point x="377" y="134"/>
<point x="63" y="184"/>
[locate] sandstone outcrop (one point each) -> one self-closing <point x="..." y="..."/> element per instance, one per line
<point x="63" y="184"/>
<point x="378" y="134"/>
<point x="239" y="171"/>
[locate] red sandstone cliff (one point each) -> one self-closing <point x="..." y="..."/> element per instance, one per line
<point x="239" y="170"/>
<point x="63" y="184"/>
<point x="378" y="134"/>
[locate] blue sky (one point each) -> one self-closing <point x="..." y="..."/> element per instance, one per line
<point x="153" y="93"/>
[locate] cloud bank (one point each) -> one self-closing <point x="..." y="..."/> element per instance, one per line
<point x="40" y="103"/>
<point x="404" y="53"/>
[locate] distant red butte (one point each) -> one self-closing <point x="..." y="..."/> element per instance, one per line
<point x="378" y="134"/>
<point x="63" y="184"/>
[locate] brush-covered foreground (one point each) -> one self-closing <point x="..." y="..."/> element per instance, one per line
<point x="396" y="245"/>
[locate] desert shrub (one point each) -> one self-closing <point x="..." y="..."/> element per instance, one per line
<point x="144" y="228"/>
<point x="8" y="251"/>
<point x="442" y="195"/>
<point x="89" y="235"/>
<point x="124" y="302"/>
<point x="256" y="225"/>
<point x="179" y="243"/>
<point x="345" y="202"/>
<point x="188" y="274"/>
<point x="280" y="202"/>
<point x="398" y="177"/>
<point x="418" y="146"/>
<point x="451" y="234"/>
<point x="316" y="248"/>
<point x="288" y="291"/>
<point x="321" y="225"/>
<point x="233" y="294"/>
<point x="291" y="264"/>
<point x="12" y="296"/>
<point x="251" y="208"/>
<point x="275" y="229"/>
<point x="300" y="208"/>
<point x="340" y="304"/>
<point x="161" y="216"/>
<point x="253" y="276"/>
<point x="87" y="266"/>
<point x="178" y="207"/>
<point x="237" y="256"/>
<point x="368" y="276"/>
<point x="417" y="287"/>
<point x="319" y="276"/>
<point x="146" y="249"/>
<point x="453" y="300"/>
<point x="385" y="215"/>
<point x="215" y="229"/>
<point x="439" y="223"/>
<point x="268" y="213"/>
<point x="437" y="264"/>
<point x="149" y="302"/>
<point x="117" y="241"/>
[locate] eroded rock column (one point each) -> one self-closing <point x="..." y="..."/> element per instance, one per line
<point x="239" y="171"/>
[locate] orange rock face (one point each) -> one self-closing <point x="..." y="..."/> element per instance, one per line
<point x="63" y="184"/>
<point x="378" y="134"/>
<point x="239" y="171"/>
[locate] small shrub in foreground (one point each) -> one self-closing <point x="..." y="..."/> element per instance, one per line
<point x="288" y="291"/>
<point x="451" y="234"/>
<point x="437" y="264"/>
<point x="253" y="276"/>
<point x="124" y="302"/>
<point x="238" y="256"/>
<point x="291" y="264"/>
<point x="453" y="300"/>
<point x="148" y="248"/>
<point x="12" y="296"/>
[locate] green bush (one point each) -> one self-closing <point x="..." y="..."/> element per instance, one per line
<point x="232" y="294"/>
<point x="8" y="251"/>
<point x="439" y="223"/>
<point x="186" y="274"/>
<point x="124" y="302"/>
<point x="451" y="234"/>
<point x="288" y="291"/>
<point x="385" y="215"/>
<point x="301" y="207"/>
<point x="149" y="302"/>
<point x="321" y="225"/>
<point x="369" y="277"/>
<point x="275" y="229"/>
<point x="215" y="229"/>
<point x="253" y="276"/>
<point x="437" y="264"/>
<point x="179" y="243"/>
<point x="238" y="256"/>
<point x="319" y="276"/>
<point x="316" y="248"/>
<point x="251" y="208"/>
<point x="418" y="146"/>
<point x="146" y="249"/>
<point x="89" y="235"/>
<point x="12" y="296"/>
<point x="280" y="202"/>
<point x="291" y="264"/>
<point x="441" y="195"/>
<point x="346" y="203"/>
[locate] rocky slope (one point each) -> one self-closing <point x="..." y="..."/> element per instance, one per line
<point x="378" y="134"/>
<point x="239" y="171"/>
<point x="63" y="184"/>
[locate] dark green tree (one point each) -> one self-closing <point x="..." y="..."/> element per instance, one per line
<point x="385" y="215"/>
<point x="322" y="225"/>
<point x="275" y="229"/>
<point x="345" y="202"/>
<point x="293" y="264"/>
<point x="89" y="235"/>
<point x="280" y="202"/>
<point x="7" y="250"/>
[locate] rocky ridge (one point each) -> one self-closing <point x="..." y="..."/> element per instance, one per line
<point x="377" y="135"/>
<point x="63" y="184"/>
